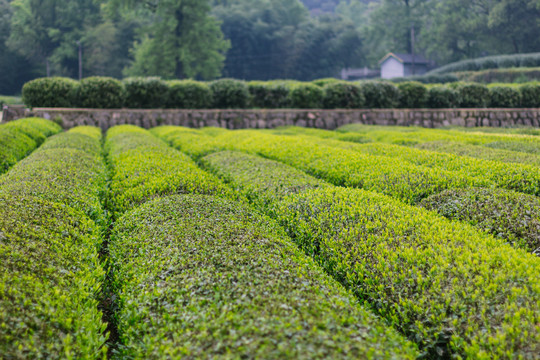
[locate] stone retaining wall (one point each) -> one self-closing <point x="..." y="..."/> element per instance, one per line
<point x="261" y="119"/>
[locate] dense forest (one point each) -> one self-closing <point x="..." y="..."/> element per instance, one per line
<point x="249" y="39"/>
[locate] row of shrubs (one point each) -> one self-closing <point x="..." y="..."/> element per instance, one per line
<point x="180" y="262"/>
<point x="380" y="249"/>
<point x="144" y="166"/>
<point x="518" y="177"/>
<point x="453" y="171"/>
<point x="344" y="167"/>
<point x="491" y="62"/>
<point x="428" y="79"/>
<point x="51" y="274"/>
<point x="481" y="152"/>
<point x="396" y="258"/>
<point x="415" y="136"/>
<point x="147" y="93"/>
<point x="513" y="75"/>
<point x="460" y="143"/>
<point x="19" y="138"/>
<point x="505" y="214"/>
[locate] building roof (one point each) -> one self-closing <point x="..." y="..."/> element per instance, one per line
<point x="406" y="58"/>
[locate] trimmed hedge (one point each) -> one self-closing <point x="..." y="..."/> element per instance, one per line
<point x="306" y="96"/>
<point x="269" y="95"/>
<point x="380" y="95"/>
<point x="195" y="143"/>
<point x="338" y="95"/>
<point x="504" y="97"/>
<point x="146" y="93"/>
<point x="50" y="92"/>
<point x="189" y="94"/>
<point x="472" y="95"/>
<point x="442" y="97"/>
<point x="343" y="167"/>
<point x="428" y="79"/>
<point x="518" y="177"/>
<point x="51" y="275"/>
<point x="100" y="93"/>
<point x="511" y="139"/>
<point x="412" y="95"/>
<point x="71" y="173"/>
<point x="523" y="147"/>
<point x="325" y="134"/>
<point x="505" y="214"/>
<point x="481" y="152"/>
<point x="143" y="167"/>
<point x="230" y="94"/>
<point x="506" y="75"/>
<point x="451" y="289"/>
<point x="20" y="137"/>
<point x="327" y="81"/>
<point x="202" y="277"/>
<point x="491" y="62"/>
<point x="530" y="95"/>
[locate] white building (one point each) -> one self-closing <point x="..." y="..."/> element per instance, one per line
<point x="402" y="65"/>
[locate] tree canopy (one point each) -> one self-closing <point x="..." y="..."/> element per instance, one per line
<point x="250" y="39"/>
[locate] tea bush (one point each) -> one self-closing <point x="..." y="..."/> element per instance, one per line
<point x="20" y="137"/>
<point x="512" y="216"/>
<point x="218" y="280"/>
<point x="51" y="274"/>
<point x="412" y="266"/>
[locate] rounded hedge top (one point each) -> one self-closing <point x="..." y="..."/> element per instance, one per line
<point x="230" y="94"/>
<point x="100" y="93"/>
<point x="189" y="94"/>
<point x="154" y="93"/>
<point x="50" y="92"/>
<point x="146" y="93"/>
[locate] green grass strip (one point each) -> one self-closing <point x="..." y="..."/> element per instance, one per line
<point x="51" y="277"/>
<point x="199" y="277"/>
<point x="451" y="289"/>
<point x="19" y="138"/>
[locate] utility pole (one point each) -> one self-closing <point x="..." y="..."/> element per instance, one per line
<point x="412" y="50"/>
<point x="80" y="58"/>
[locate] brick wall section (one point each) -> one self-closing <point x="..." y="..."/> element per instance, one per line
<point x="242" y="119"/>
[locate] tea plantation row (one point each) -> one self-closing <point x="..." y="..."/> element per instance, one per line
<point x="216" y="252"/>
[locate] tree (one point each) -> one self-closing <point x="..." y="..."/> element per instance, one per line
<point x="15" y="69"/>
<point x="181" y="40"/>
<point x="516" y="21"/>
<point x="278" y="39"/>
<point x="390" y="24"/>
<point x="48" y="30"/>
<point x="261" y="34"/>
<point x="325" y="45"/>
<point x="464" y="29"/>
